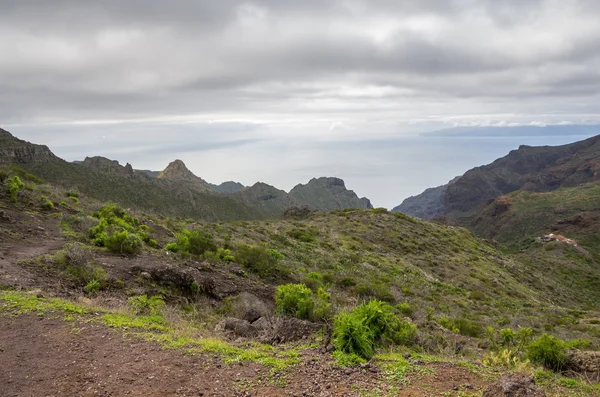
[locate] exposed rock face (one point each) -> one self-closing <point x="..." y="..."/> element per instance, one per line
<point x="177" y="171"/>
<point x="326" y="194"/>
<point x="514" y="386"/>
<point x="17" y="151"/>
<point x="427" y="205"/>
<point x="107" y="166"/>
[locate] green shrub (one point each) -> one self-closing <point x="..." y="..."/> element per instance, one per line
<point x="173" y="247"/>
<point x="462" y="326"/>
<point x="123" y="242"/>
<point x="549" y="351"/>
<point x="275" y="255"/>
<point x="47" y="205"/>
<point x="14" y="185"/>
<point x="225" y="255"/>
<point x="74" y="199"/>
<point x="374" y="291"/>
<point x="92" y="287"/>
<point x="294" y="300"/>
<point x="84" y="274"/>
<point x="194" y="242"/>
<point x="303" y="235"/>
<point x="405" y="309"/>
<point x="323" y="309"/>
<point x="72" y="194"/>
<point x="141" y="304"/>
<point x="380" y="210"/>
<point x="361" y="330"/>
<point x="581" y="344"/>
<point x="352" y="336"/>
<point x="257" y="258"/>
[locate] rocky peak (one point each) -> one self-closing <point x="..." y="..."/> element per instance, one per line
<point x="108" y="166"/>
<point x="178" y="171"/>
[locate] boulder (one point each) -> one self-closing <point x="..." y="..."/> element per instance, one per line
<point x="514" y="386"/>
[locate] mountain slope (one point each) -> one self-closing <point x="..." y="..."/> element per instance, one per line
<point x="535" y="169"/>
<point x="126" y="188"/>
<point x="427" y="205"/>
<point x="326" y="194"/>
<point x="177" y="171"/>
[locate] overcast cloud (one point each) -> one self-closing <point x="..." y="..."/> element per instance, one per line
<point x="281" y="91"/>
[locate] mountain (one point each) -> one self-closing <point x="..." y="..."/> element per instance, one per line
<point x="177" y="171"/>
<point x="428" y="205"/>
<point x="106" y="180"/>
<point x="535" y="169"/>
<point x="326" y="194"/>
<point x="150" y="173"/>
<point x="227" y="187"/>
<point x="107" y="166"/>
<point x="265" y="199"/>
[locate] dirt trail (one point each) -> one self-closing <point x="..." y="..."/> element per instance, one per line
<point x="43" y="356"/>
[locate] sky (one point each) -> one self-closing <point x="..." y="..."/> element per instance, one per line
<point x="282" y="91"/>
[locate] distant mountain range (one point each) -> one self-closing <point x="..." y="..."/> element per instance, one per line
<point x="176" y="190"/>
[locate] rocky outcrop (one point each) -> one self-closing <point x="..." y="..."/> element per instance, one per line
<point x="514" y="386"/>
<point x="17" y="151"/>
<point x="326" y="194"/>
<point x="177" y="171"/>
<point x="266" y="199"/>
<point x="111" y="167"/>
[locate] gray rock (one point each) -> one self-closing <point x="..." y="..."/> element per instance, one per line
<point x="514" y="386"/>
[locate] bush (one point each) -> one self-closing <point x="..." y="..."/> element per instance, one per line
<point x="123" y="242"/>
<point x="92" y="287"/>
<point x="294" y="300"/>
<point x="72" y="194"/>
<point x="258" y="259"/>
<point x="14" y="185"/>
<point x="405" y="309"/>
<point x="47" y="204"/>
<point x="225" y="255"/>
<point x="549" y="351"/>
<point x="361" y="330"/>
<point x="462" y="326"/>
<point x="323" y="309"/>
<point x="141" y="304"/>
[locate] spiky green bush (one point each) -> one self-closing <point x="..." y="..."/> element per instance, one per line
<point x="142" y="304"/>
<point x="14" y="185"/>
<point x="369" y="325"/>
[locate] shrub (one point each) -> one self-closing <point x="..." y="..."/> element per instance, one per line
<point x="225" y="254"/>
<point x="83" y="275"/>
<point x="294" y="300"/>
<point x="92" y="287"/>
<point x="380" y="210"/>
<point x="405" y="309"/>
<point x="374" y="290"/>
<point x="361" y="330"/>
<point x="256" y="258"/>
<point x="549" y="351"/>
<point x="505" y="358"/>
<point x="141" y="304"/>
<point x="344" y="360"/>
<point x="323" y="309"/>
<point x="173" y="247"/>
<point x="47" y="204"/>
<point x="14" y="185"/>
<point x="123" y="242"/>
<point x="462" y="326"/>
<point x="72" y="194"/>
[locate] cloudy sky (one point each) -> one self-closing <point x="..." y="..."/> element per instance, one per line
<point x="280" y="91"/>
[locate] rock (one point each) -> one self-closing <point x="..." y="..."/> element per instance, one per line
<point x="514" y="386"/>
<point x="239" y="327"/>
<point x="297" y="212"/>
<point x="251" y="315"/>
<point x="107" y="166"/>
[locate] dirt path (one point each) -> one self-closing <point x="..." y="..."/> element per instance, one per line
<point x="43" y="356"/>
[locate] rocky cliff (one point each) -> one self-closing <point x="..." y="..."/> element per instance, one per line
<point x="326" y="194"/>
<point x="17" y="151"/>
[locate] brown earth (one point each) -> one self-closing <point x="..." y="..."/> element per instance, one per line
<point x="44" y="356"/>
